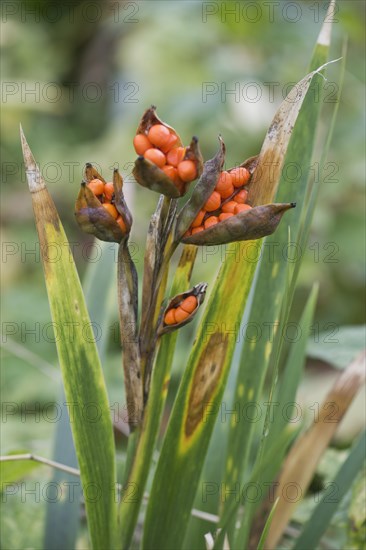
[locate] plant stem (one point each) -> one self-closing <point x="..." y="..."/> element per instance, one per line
<point x="42" y="460"/>
<point x="127" y="298"/>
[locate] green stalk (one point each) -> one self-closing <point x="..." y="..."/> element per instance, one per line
<point x="141" y="449"/>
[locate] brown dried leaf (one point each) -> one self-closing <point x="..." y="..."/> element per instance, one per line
<point x="301" y="462"/>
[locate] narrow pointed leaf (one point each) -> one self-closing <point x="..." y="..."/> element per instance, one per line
<point x="80" y="366"/>
<point x="99" y="275"/>
<point x="271" y="280"/>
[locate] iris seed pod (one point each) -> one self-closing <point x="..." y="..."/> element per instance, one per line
<point x="97" y="220"/>
<point x="204" y="190"/>
<point x="213" y="216"/>
<point x="255" y="223"/>
<point x="182" y="309"/>
<point x="154" y="172"/>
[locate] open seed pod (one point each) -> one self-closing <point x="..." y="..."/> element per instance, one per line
<point x="163" y="164"/>
<point x="255" y="223"/>
<point x="182" y="308"/>
<point x="100" y="208"/>
<point x="219" y="211"/>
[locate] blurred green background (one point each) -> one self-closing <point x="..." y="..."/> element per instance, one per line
<point x="78" y="75"/>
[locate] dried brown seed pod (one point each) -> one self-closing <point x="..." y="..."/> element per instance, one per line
<point x="248" y="225"/>
<point x="108" y="220"/>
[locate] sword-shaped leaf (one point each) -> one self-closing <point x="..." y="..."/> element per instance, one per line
<point x="80" y="366"/>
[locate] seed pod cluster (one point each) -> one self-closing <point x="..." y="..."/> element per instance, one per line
<point x="182" y="308"/>
<point x="228" y="199"/>
<point x="164" y="165"/>
<point x="100" y="207"/>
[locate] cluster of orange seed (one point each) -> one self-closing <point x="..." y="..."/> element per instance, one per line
<point x="162" y="147"/>
<point x="181" y="312"/>
<point x="105" y="194"/>
<point x="228" y="199"/>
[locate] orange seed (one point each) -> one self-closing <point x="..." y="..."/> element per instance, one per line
<point x="198" y="219"/>
<point x="175" y="156"/>
<point x="229" y="207"/>
<point x="108" y="191"/>
<point x="169" y="318"/>
<point x="159" y="135"/>
<point x="240" y="176"/>
<point x="96" y="186"/>
<point x="155" y="156"/>
<point x="187" y="170"/>
<point x="241" y="197"/>
<point x="189" y="304"/>
<point x="225" y="216"/>
<point x="180" y="315"/>
<point x="141" y="144"/>
<point x="212" y="220"/>
<point x="213" y="202"/>
<point x="122" y="224"/>
<point x="242" y="208"/>
<point x="224" y="186"/>
<point x="111" y="209"/>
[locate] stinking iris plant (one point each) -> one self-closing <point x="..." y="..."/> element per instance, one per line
<point x="219" y="211"/>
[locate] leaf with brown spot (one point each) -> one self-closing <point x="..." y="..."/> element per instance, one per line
<point x="180" y="465"/>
